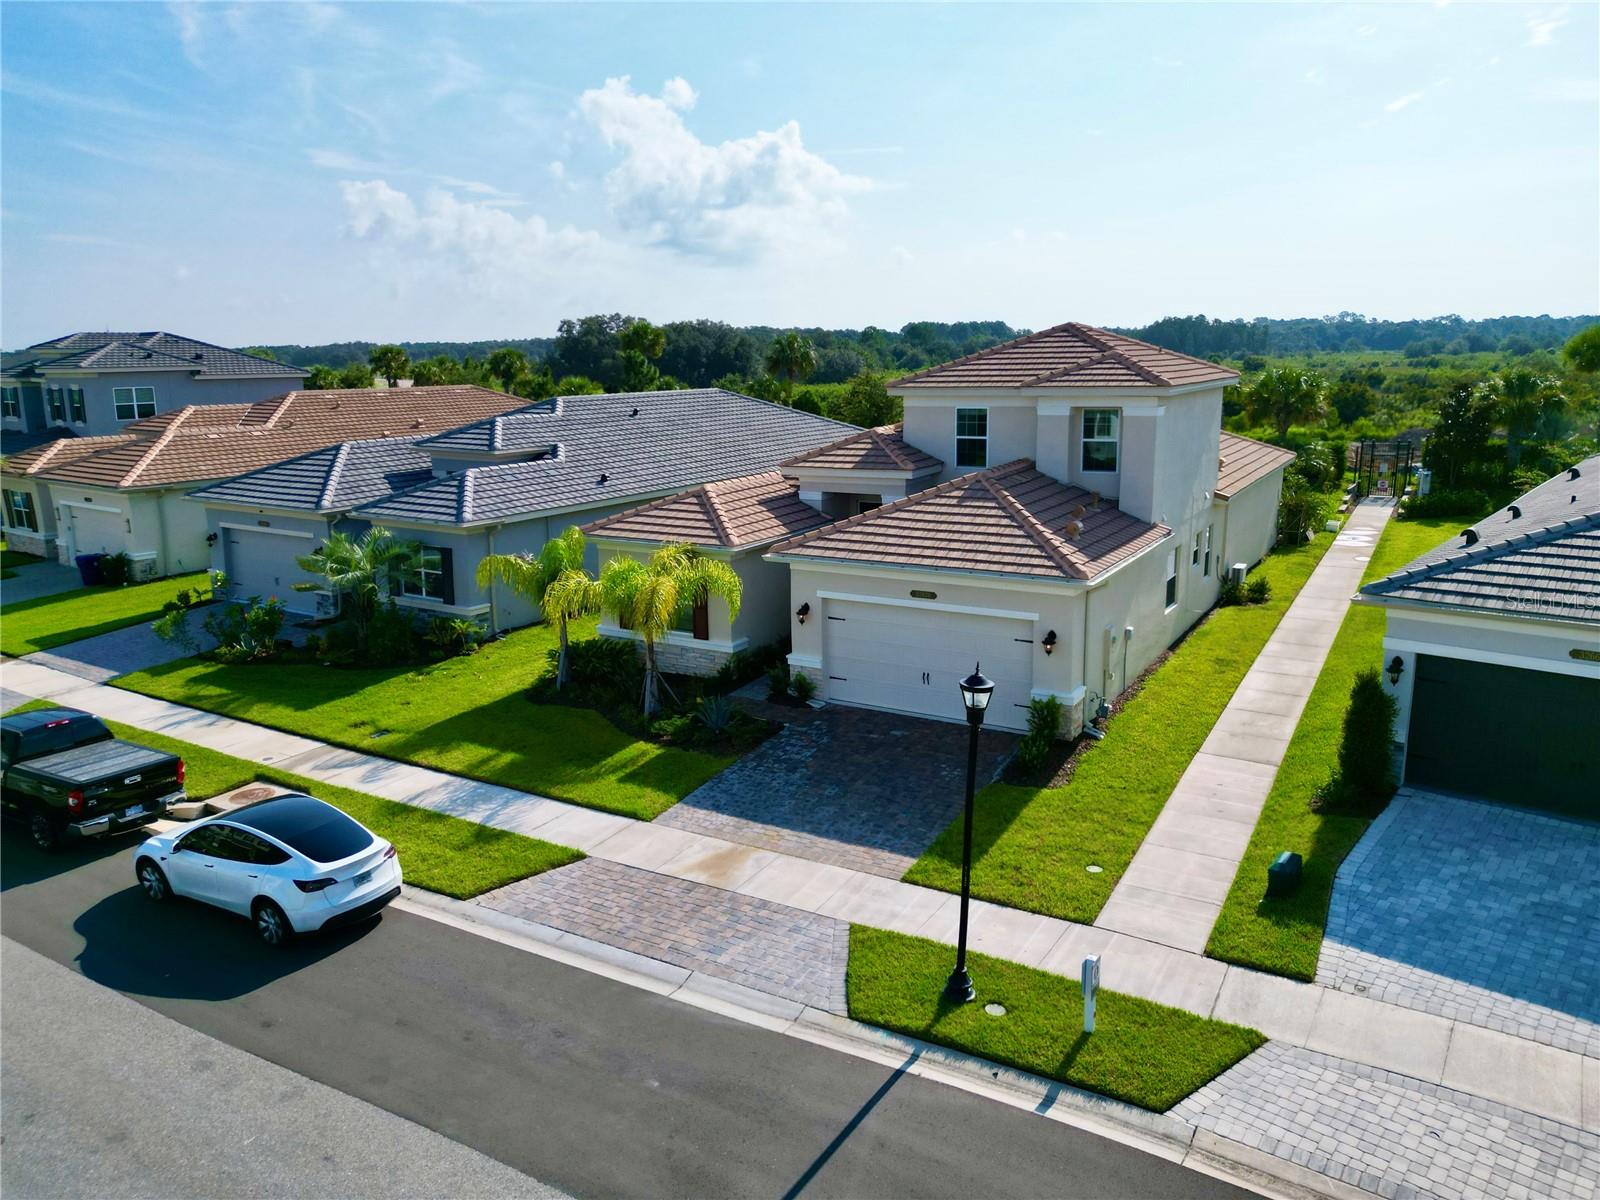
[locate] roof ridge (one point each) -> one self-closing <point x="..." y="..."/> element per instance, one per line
<point x="340" y="457"/>
<point x="1016" y="341"/>
<point x="886" y="444"/>
<point x="1030" y="524"/>
<point x="718" y="521"/>
<point x="1469" y="556"/>
<point x="156" y="443"/>
<point x="796" y="459"/>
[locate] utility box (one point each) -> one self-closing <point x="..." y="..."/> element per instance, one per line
<point x="1283" y="876"/>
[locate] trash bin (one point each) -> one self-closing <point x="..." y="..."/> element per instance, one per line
<point x="89" y="568"/>
<point x="1283" y="875"/>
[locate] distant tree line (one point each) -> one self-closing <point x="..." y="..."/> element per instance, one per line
<point x="1208" y="337"/>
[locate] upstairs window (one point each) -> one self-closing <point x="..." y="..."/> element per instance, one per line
<point x="1101" y="427"/>
<point x="57" y="403"/>
<point x="80" y="414"/>
<point x="134" y="403"/>
<point x="11" y="402"/>
<point x="19" y="511"/>
<point x="1172" y="578"/>
<point x="972" y="437"/>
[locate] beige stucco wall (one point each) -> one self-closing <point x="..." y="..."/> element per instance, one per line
<point x="1249" y="521"/>
<point x="930" y="425"/>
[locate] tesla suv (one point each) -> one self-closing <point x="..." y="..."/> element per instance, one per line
<point x="292" y="864"/>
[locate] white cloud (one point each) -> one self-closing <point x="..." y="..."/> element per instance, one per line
<point x="558" y="169"/>
<point x="732" y="200"/>
<point x="1405" y="101"/>
<point x="338" y="160"/>
<point x="187" y="15"/>
<point x="1542" y="26"/>
<point x="1316" y="77"/>
<point x="48" y="94"/>
<point x="451" y="73"/>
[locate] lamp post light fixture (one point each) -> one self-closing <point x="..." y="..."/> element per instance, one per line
<point x="976" y="691"/>
<point x="1397" y="668"/>
<point x="803" y="612"/>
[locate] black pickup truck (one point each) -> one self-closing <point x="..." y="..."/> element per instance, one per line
<point x="64" y="776"/>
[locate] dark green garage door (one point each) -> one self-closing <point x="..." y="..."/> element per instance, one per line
<point x="1522" y="737"/>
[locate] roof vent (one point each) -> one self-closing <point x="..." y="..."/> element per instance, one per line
<point x="417" y="423"/>
<point x="603" y="478"/>
<point x="1515" y="510"/>
<point x="1094" y="499"/>
<point x="1573" y="472"/>
<point x="1470" y="537"/>
<point x="634" y="413"/>
<point x="1077" y="511"/>
<point x="147" y="354"/>
<point x="1074" y="528"/>
<point x="197" y="356"/>
<point x="388" y="433"/>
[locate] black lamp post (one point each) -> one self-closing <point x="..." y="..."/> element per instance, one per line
<point x="975" y="693"/>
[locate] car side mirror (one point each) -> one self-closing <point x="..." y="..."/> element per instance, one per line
<point x="177" y="846"/>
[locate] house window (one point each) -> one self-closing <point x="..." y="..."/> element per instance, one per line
<point x="1100" y="428"/>
<point x="431" y="579"/>
<point x="972" y="437"/>
<point x="1194" y="559"/>
<point x="134" y="403"/>
<point x="1172" y="578"/>
<point x="19" y="511"/>
<point x="58" y="406"/>
<point x="695" y="621"/>
<point x="80" y="415"/>
<point x="1207" y="570"/>
<point x="11" y="402"/>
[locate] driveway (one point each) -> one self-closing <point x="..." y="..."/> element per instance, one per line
<point x="1475" y="911"/>
<point x="846" y="786"/>
<point x="39" y="579"/>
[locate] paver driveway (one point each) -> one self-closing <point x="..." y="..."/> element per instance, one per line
<point x="1475" y="911"/>
<point x="855" y="788"/>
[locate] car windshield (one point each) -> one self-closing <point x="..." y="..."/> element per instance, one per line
<point x="319" y="831"/>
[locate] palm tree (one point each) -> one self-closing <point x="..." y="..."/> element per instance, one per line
<point x="649" y="597"/>
<point x="534" y="577"/>
<point x="391" y="362"/>
<point x="358" y="571"/>
<point x="791" y="357"/>
<point x="1530" y="404"/>
<point x="1285" y="396"/>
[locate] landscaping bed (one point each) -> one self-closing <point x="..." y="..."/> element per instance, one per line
<point x="438" y="852"/>
<point x="468" y="716"/>
<point x="1284" y="935"/>
<point x="1031" y="845"/>
<point x="48" y="621"/>
<point x="1141" y="1052"/>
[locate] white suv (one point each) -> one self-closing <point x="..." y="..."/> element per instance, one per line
<point x="292" y="864"/>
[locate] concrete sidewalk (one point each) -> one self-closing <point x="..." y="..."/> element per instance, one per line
<point x="1173" y="890"/>
<point x="1554" y="1083"/>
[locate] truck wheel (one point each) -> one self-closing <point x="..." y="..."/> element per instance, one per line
<point x="46" y="834"/>
<point x="272" y="927"/>
<point x="153" y="880"/>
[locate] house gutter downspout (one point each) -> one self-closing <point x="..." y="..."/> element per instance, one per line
<point x="494" y="607"/>
<point x="161" y="530"/>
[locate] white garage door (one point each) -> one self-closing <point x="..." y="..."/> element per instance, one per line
<point x="262" y="564"/>
<point x="97" y="532"/>
<point x="912" y="659"/>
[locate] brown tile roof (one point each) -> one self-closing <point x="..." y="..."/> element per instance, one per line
<point x="1071" y="356"/>
<point x="217" y="441"/>
<point x="1245" y="460"/>
<point x="880" y="449"/>
<point x="1008" y="520"/>
<point x="748" y="511"/>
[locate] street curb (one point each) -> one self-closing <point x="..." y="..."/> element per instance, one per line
<point x="1153" y="1133"/>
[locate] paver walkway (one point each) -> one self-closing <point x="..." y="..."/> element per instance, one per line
<point x="1173" y="890"/>
<point x="1550" y="1082"/>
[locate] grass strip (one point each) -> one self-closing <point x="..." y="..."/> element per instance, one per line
<point x="1141" y="1052"/>
<point x="45" y="622"/>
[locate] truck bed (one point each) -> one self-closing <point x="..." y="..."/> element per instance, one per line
<point x="89" y="764"/>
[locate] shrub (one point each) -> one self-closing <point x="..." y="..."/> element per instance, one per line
<point x="1044" y="724"/>
<point x="1300" y="508"/>
<point x="1258" y="589"/>
<point x="1230" y="593"/>
<point x="1364" y="779"/>
<point x="1447" y="502"/>
<point x="677" y="729"/>
<point x="246" y="632"/>
<point x="604" y="671"/>
<point x="715" y="714"/>
<point x="778" y="681"/>
<point x="116" y="569"/>
<point x="740" y="667"/>
<point x="803" y="687"/>
<point x="173" y="626"/>
<point x="450" y="636"/>
<point x="391" y="636"/>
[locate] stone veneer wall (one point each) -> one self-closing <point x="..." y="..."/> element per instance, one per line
<point x="41" y="544"/>
<point x="679" y="659"/>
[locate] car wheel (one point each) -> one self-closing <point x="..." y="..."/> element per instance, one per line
<point x="153" y="880"/>
<point x="272" y="927"/>
<point x="46" y="835"/>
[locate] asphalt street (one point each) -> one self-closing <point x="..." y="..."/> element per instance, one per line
<point x="581" y="1082"/>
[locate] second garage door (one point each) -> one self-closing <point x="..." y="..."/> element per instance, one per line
<point x="912" y="659"/>
<point x="97" y="530"/>
<point x="263" y="564"/>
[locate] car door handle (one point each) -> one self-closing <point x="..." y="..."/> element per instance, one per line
<point x="210" y="866"/>
<point x="252" y="877"/>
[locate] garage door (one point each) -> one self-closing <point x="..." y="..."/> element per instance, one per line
<point x="97" y="532"/>
<point x="1517" y="736"/>
<point x="912" y="659"/>
<point x="262" y="564"/>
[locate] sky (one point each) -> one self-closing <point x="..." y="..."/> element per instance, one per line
<point x="299" y="172"/>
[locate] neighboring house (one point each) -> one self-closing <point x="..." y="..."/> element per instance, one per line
<point x="507" y="483"/>
<point x="1492" y="650"/>
<point x="124" y="492"/>
<point x="1060" y="508"/>
<point x="88" y="384"/>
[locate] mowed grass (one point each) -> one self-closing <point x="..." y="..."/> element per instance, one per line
<point x="467" y="716"/>
<point x="1141" y="1052"/>
<point x="438" y="852"/>
<point x="1284" y="935"/>
<point x="1031" y="845"/>
<point x="49" y="621"/>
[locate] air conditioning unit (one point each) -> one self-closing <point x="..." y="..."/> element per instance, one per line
<point x="327" y="604"/>
<point x="1236" y="572"/>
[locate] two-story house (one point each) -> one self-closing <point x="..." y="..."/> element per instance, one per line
<point x="1059" y="508"/>
<point x="89" y="384"/>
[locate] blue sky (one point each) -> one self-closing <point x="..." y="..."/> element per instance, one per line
<point x="316" y="172"/>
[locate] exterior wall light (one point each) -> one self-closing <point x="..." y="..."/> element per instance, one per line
<point x="1049" y="642"/>
<point x="1397" y="668"/>
<point x="803" y="612"/>
<point x="211" y="539"/>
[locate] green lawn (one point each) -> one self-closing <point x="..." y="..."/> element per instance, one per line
<point x="10" y="558"/>
<point x="467" y="716"/>
<point x="49" y="621"/>
<point x="1141" y="1052"/>
<point x="1284" y="936"/>
<point x="1031" y="845"/>
<point x="437" y="852"/>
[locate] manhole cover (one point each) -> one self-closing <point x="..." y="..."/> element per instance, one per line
<point x="995" y="1010"/>
<point x="1093" y="870"/>
<point x="248" y="795"/>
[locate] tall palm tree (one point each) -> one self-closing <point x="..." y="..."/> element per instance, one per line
<point x="358" y="571"/>
<point x="791" y="357"/>
<point x="1530" y="404"/>
<point x="649" y="597"/>
<point x="1285" y="396"/>
<point x="534" y="576"/>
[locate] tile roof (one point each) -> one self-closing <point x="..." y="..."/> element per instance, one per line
<point x="333" y="479"/>
<point x="218" y="441"/>
<point x="1071" y="356"/>
<point x="607" y="448"/>
<point x="1245" y="460"/>
<point x="731" y="513"/>
<point x="1538" y="557"/>
<point x="1007" y="520"/>
<point x="880" y="449"/>
<point x="143" y="351"/>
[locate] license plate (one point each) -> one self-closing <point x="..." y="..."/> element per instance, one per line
<point x="133" y="812"/>
<point x="361" y="878"/>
